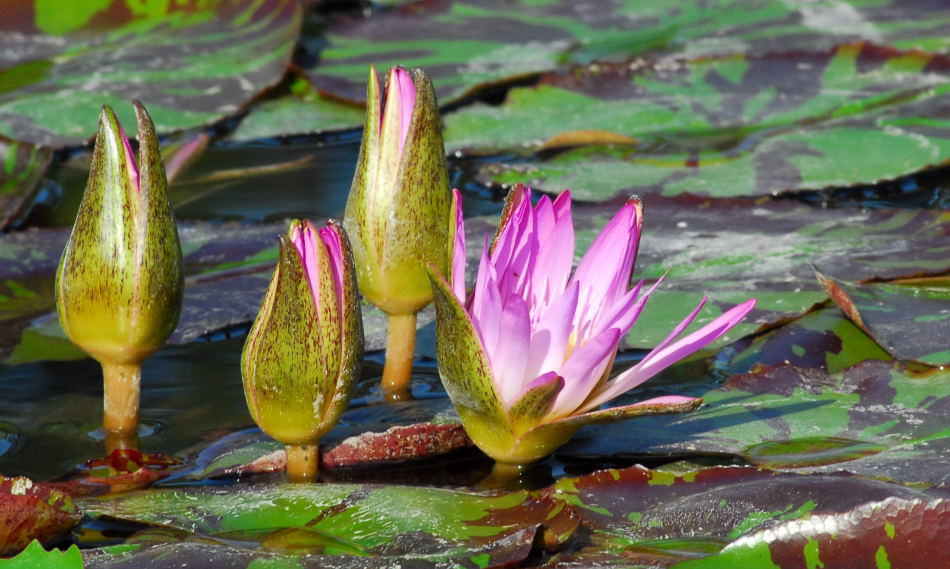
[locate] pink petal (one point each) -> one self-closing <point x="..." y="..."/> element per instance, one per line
<point x="583" y="371"/>
<point x="407" y="102"/>
<point x="303" y="238"/>
<point x="508" y="359"/>
<point x="130" y="164"/>
<point x="663" y="356"/>
<point x="331" y="239"/>
<point x="552" y="333"/>
<point x="458" y="249"/>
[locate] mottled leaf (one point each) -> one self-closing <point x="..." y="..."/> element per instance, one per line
<point x="421" y="526"/>
<point x="638" y="516"/>
<point x="888" y="533"/>
<point x="723" y="126"/>
<point x="191" y="63"/>
<point x="910" y="318"/>
<point x="873" y="404"/>
<point x="467" y="45"/>
<point x="31" y="511"/>
<point x="22" y="167"/>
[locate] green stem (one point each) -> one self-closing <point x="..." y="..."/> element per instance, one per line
<point x="400" y="352"/>
<point x="503" y="475"/>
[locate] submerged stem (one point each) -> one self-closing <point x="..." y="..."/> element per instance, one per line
<point x="400" y="351"/>
<point x="303" y="462"/>
<point x="121" y="387"/>
<point x="503" y="475"/>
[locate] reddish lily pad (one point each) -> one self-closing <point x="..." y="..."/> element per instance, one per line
<point x="31" y="511"/>
<point x="471" y="44"/>
<point x="397" y="523"/>
<point x="889" y="533"/>
<point x="657" y="518"/>
<point x="23" y="167"/>
<point x="910" y="318"/>
<point x="190" y="63"/>
<point x="723" y="126"/>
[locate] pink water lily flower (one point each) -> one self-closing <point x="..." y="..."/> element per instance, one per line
<point x="527" y="358"/>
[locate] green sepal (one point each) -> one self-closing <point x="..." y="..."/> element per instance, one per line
<point x="120" y="280"/>
<point x="531" y="408"/>
<point x="399" y="226"/>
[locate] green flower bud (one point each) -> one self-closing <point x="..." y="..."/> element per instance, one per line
<point x="120" y="280"/>
<point x="303" y="353"/>
<point x="399" y="201"/>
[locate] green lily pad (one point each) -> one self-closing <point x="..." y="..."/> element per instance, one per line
<point x="425" y="527"/>
<point x="889" y="533"/>
<point x="23" y="167"/>
<point x="190" y="63"/>
<point x="35" y="556"/>
<point x="910" y="318"/>
<point x="303" y="111"/>
<point x="723" y="126"/>
<point x="472" y="44"/>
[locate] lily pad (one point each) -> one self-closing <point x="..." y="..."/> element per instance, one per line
<point x="910" y="318"/>
<point x="472" y="44"/>
<point x="23" y="168"/>
<point x="889" y="533"/>
<point x="871" y="404"/>
<point x="302" y="111"/>
<point x="31" y="511"/>
<point x="655" y="518"/>
<point x="423" y="527"/>
<point x="724" y="126"/>
<point x="190" y="63"/>
<point x="35" y="556"/>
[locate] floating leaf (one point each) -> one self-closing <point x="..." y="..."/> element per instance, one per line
<point x="420" y="526"/>
<point x="31" y="511"/>
<point x="724" y="126"/>
<point x="888" y="533"/>
<point x="653" y="517"/>
<point x="191" y="63"/>
<point x="35" y="556"/>
<point x="910" y="318"/>
<point x="876" y="403"/>
<point x="473" y="44"/>
<point x="22" y="166"/>
<point x="302" y="111"/>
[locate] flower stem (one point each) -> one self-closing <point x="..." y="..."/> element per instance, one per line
<point x="121" y="404"/>
<point x="503" y="475"/>
<point x="400" y="351"/>
<point x="303" y="462"/>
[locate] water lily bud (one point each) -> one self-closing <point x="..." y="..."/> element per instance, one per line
<point x="527" y="358"/>
<point x="399" y="201"/>
<point x="120" y="280"/>
<point x="304" y="351"/>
